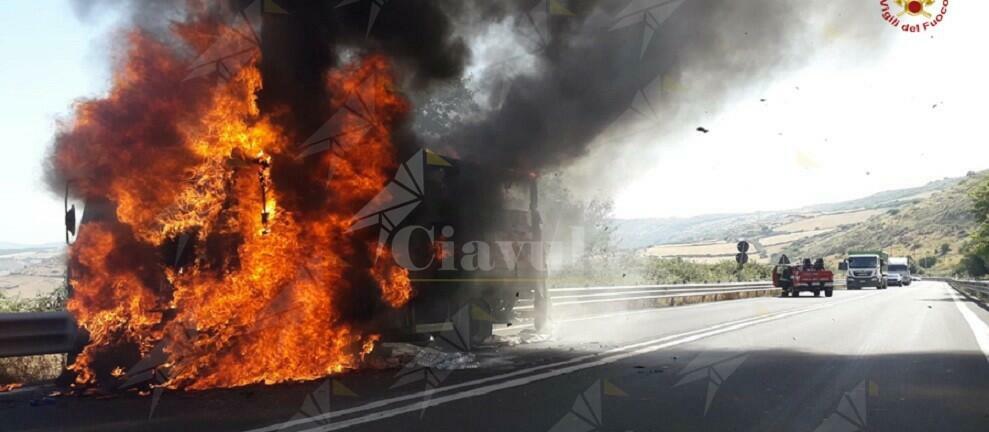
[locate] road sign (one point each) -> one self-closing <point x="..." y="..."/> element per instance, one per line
<point x="742" y="258"/>
<point x="743" y="246"/>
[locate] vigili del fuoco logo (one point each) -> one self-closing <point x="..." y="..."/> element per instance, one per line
<point x="914" y="16"/>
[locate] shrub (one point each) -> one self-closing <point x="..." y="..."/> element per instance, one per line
<point x="927" y="262"/>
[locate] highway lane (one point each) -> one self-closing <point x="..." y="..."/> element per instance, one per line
<point x="900" y="359"/>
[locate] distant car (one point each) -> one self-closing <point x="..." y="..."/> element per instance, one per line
<point x="897" y="280"/>
<point x="898" y="272"/>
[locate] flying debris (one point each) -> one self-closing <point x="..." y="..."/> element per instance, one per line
<point x="702" y="129"/>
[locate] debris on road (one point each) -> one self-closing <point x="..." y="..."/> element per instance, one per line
<point x="443" y="360"/>
<point x="702" y="129"/>
<point x="524" y="337"/>
<point x="394" y="355"/>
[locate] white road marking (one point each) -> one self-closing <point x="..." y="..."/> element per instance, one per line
<point x="566" y="367"/>
<point x="509" y="329"/>
<point x="690" y="294"/>
<point x="683" y="293"/>
<point x="979" y="327"/>
<point x="670" y="287"/>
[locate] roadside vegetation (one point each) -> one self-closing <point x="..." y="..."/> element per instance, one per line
<point x="975" y="260"/>
<point x="43" y="302"/>
<point x="937" y="232"/>
<point x="31" y="369"/>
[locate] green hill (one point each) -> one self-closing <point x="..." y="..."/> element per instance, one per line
<point x="932" y="228"/>
<point x="929" y="223"/>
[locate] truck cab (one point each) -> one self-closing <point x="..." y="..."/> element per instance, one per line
<point x="865" y="269"/>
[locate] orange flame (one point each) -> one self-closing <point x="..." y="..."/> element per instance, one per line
<point x="262" y="298"/>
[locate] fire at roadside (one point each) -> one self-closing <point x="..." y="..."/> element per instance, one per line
<point x="200" y="236"/>
<point x="224" y="168"/>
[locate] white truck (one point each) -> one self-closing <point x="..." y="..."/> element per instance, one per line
<point x="865" y="269"/>
<point x="898" y="272"/>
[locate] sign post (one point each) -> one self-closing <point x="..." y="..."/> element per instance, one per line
<point x="742" y="257"/>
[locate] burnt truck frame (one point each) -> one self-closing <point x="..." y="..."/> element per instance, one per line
<point x="457" y="239"/>
<point x="455" y="194"/>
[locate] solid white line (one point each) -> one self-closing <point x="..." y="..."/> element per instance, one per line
<point x="385" y="402"/>
<point x="509" y="329"/>
<point x="569" y="366"/>
<point x="650" y="346"/>
<point x="680" y="292"/>
<point x="979" y="327"/>
<point x="667" y="286"/>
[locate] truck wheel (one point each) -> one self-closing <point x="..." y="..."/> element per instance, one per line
<point x="794" y="293"/>
<point x="829" y="292"/>
<point x="817" y="293"/>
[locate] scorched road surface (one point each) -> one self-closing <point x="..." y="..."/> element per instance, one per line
<point x="904" y="359"/>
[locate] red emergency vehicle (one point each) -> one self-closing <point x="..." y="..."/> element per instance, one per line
<point x="805" y="276"/>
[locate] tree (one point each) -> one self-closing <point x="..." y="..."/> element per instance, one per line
<point x="562" y="211"/>
<point x="598" y="225"/>
<point x="977" y="249"/>
<point x="945" y="248"/>
<point x="974" y="266"/>
<point x="927" y="262"/>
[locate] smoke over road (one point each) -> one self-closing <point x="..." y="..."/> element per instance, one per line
<point x="205" y="134"/>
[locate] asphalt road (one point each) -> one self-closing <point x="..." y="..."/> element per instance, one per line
<point x="904" y="359"/>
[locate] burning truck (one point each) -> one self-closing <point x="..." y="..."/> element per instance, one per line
<point x="224" y="239"/>
<point x="481" y="256"/>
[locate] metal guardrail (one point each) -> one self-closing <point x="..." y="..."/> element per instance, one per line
<point x="576" y="296"/>
<point x="972" y="288"/>
<point x="24" y="334"/>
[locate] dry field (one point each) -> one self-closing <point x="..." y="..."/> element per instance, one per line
<point x="694" y="249"/>
<point x="783" y="239"/>
<point x="828" y="221"/>
<point x="702" y="252"/>
<point x="25" y="286"/>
